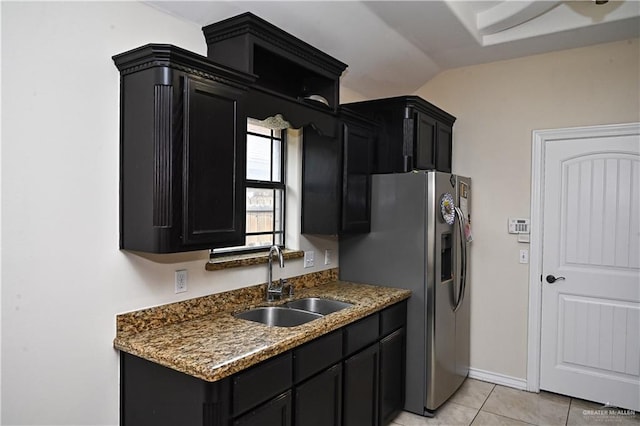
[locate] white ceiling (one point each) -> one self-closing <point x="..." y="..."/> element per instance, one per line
<point x="395" y="47"/>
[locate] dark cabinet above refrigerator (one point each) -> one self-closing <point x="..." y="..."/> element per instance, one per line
<point x="414" y="134"/>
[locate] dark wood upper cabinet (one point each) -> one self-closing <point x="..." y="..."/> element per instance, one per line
<point x="423" y="139"/>
<point x="414" y="134"/>
<point x="182" y="151"/>
<point x="183" y="136"/>
<point x="357" y="147"/>
<point x="445" y="146"/>
<point x="214" y="164"/>
<point x="291" y="75"/>
<point x="283" y="63"/>
<point x="321" y="183"/>
<point x="336" y="177"/>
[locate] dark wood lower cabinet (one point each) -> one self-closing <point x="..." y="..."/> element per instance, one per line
<point x="361" y="388"/>
<point x="153" y="395"/>
<point x="318" y="401"/>
<point x="358" y="380"/>
<point x="392" y="372"/>
<point x="276" y="412"/>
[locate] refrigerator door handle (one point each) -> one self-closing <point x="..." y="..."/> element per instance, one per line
<point x="463" y="256"/>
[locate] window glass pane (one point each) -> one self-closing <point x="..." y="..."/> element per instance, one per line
<point x="258" y="158"/>
<point x="279" y="210"/>
<point x="254" y="241"/>
<point x="276" y="161"/>
<point x="259" y="210"/>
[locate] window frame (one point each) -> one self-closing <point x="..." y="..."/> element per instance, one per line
<point x="262" y="184"/>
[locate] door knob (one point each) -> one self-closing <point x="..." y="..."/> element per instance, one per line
<point x="551" y="279"/>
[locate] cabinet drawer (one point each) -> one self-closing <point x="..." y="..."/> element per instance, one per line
<point x="274" y="412"/>
<point x="361" y="333"/>
<point x="317" y="355"/>
<point x="392" y="318"/>
<point x="262" y="382"/>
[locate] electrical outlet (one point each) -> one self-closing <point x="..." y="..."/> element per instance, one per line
<point x="524" y="256"/>
<point x="181" y="281"/>
<point x="308" y="259"/>
<point x="328" y="255"/>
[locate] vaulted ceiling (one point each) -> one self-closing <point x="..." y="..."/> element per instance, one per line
<point x="395" y="47"/>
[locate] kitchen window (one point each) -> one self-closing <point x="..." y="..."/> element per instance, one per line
<point x="265" y="188"/>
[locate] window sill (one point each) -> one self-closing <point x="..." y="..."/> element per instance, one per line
<point x="247" y="259"/>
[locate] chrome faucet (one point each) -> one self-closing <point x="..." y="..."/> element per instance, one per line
<point x="274" y="291"/>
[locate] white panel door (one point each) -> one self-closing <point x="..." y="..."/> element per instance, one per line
<point x="590" y="344"/>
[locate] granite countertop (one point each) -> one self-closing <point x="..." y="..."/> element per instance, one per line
<point x="215" y="345"/>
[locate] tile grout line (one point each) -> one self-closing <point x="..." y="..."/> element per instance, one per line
<point x="566" y="421"/>
<point x="502" y="415"/>
<point x="483" y="403"/>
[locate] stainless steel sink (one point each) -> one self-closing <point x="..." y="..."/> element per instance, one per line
<point x="319" y="305"/>
<point x="278" y="316"/>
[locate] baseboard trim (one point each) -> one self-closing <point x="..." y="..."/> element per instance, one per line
<point x="498" y="379"/>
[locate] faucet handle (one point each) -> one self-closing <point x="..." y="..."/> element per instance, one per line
<point x="284" y="283"/>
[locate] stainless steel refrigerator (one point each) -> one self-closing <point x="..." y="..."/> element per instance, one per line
<point x="419" y="239"/>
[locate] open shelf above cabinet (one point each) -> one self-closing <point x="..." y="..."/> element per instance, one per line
<point x="283" y="63"/>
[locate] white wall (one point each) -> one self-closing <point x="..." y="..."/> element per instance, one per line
<point x="63" y="277"/>
<point x="498" y="105"/>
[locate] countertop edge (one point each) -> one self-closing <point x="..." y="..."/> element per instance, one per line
<point x="291" y="337"/>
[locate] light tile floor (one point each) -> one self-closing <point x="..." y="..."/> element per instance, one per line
<point x="484" y="404"/>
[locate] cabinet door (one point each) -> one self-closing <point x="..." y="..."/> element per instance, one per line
<point x="321" y="160"/>
<point x="214" y="165"/>
<point x="444" y="147"/>
<point x="318" y="401"/>
<point x="392" y="375"/>
<point x="356" y="179"/>
<point x="425" y="143"/>
<point x="360" y="401"/>
<point x="154" y="395"/>
<point x="276" y="412"/>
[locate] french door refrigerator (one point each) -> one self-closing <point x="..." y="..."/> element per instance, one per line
<point x="420" y="231"/>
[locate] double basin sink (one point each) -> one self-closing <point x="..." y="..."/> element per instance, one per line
<point x="293" y="313"/>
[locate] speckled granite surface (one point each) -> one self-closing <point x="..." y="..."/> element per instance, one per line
<point x="227" y="262"/>
<point x="202" y="338"/>
<point x="160" y="316"/>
